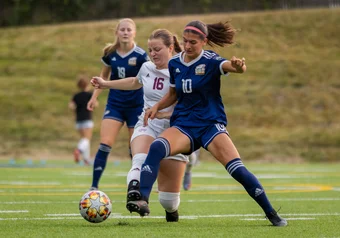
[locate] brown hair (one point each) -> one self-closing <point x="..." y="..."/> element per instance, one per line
<point x="167" y="37"/>
<point x="217" y="34"/>
<point x="82" y="82"/>
<point x="109" y="48"/>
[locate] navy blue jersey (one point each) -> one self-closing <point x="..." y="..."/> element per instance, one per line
<point x="124" y="66"/>
<point x="197" y="86"/>
<point x="81" y="99"/>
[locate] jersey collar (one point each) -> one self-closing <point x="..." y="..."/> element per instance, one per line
<point x="128" y="53"/>
<point x="191" y="62"/>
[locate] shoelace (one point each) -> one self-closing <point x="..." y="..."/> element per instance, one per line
<point x="274" y="212"/>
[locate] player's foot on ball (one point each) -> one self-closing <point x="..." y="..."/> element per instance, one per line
<point x="141" y="207"/>
<point x="93" y="189"/>
<point x="275" y="219"/>
<point x="187" y="181"/>
<point x="171" y="216"/>
<point x="76" y="155"/>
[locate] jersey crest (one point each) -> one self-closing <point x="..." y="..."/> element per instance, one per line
<point x="200" y="69"/>
<point x="132" y="61"/>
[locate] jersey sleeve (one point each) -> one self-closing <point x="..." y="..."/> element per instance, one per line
<point x="171" y="74"/>
<point x="219" y="61"/>
<point x="106" y="60"/>
<point x="140" y="74"/>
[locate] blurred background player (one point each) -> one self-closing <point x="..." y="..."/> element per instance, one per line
<point x="84" y="123"/>
<point x="193" y="160"/>
<point x="154" y="78"/>
<point x="121" y="59"/>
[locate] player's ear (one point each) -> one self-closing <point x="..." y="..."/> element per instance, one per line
<point x="171" y="48"/>
<point x="205" y="41"/>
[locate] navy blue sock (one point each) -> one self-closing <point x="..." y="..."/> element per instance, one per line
<point x="100" y="163"/>
<point x="159" y="149"/>
<point x="240" y="173"/>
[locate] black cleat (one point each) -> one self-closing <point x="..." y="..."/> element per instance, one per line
<point x="276" y="220"/>
<point x="171" y="217"/>
<point x="133" y="195"/>
<point x="141" y="207"/>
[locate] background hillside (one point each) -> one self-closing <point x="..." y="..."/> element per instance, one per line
<point x="285" y="106"/>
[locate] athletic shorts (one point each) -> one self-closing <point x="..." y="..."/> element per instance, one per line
<point x="154" y="129"/>
<point x="202" y="136"/>
<point x="128" y="115"/>
<point x="84" y="124"/>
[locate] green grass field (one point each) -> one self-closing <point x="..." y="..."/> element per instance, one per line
<point x="41" y="200"/>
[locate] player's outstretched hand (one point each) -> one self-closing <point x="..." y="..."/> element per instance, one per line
<point x="237" y="63"/>
<point x="98" y="82"/>
<point x="150" y="113"/>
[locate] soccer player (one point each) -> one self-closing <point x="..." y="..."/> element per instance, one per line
<point x="153" y="77"/>
<point x="84" y="123"/>
<point x="121" y="59"/>
<point x="199" y="119"/>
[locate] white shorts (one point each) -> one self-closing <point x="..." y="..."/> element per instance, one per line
<point x="84" y="124"/>
<point x="154" y="131"/>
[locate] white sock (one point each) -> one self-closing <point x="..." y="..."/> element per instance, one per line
<point x="169" y="201"/>
<point x="134" y="173"/>
<point x="84" y="147"/>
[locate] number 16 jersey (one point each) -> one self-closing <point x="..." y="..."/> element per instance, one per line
<point x="155" y="85"/>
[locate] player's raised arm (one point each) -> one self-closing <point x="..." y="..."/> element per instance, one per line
<point x="130" y="83"/>
<point x="235" y="65"/>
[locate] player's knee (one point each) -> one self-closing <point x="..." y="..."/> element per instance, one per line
<point x="169" y="201"/>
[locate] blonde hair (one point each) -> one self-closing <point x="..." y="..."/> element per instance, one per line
<point x="111" y="47"/>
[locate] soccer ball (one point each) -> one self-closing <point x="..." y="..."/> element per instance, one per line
<point x="95" y="206"/>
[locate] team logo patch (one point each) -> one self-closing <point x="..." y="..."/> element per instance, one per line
<point x="133" y="61"/>
<point x="200" y="69"/>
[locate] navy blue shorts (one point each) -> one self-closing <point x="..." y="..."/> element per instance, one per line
<point x="202" y="136"/>
<point x="128" y="115"/>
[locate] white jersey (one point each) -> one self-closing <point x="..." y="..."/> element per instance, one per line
<point x="156" y="84"/>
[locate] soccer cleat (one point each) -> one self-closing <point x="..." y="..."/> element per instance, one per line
<point x="187" y="181"/>
<point x="141" y="207"/>
<point x="93" y="189"/>
<point x="276" y="220"/>
<point x="76" y="155"/>
<point x="171" y="217"/>
<point x="133" y="193"/>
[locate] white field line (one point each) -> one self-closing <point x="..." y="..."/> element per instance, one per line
<point x="304" y="216"/>
<point x="13" y="211"/>
<point x="183" y="201"/>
